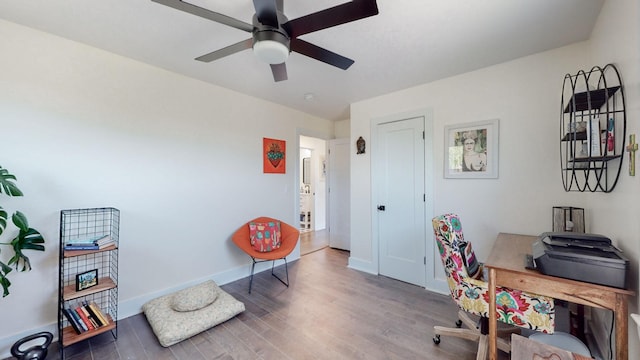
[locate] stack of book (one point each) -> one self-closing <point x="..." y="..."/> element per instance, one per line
<point x="85" y="316"/>
<point x="89" y="243"/>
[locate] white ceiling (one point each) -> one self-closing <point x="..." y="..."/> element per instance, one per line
<point x="410" y="42"/>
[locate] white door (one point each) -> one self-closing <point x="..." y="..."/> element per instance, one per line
<point x="339" y="209"/>
<point x="400" y="181"/>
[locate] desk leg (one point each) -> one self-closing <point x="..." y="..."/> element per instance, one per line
<point x="621" y="313"/>
<point x="493" y="326"/>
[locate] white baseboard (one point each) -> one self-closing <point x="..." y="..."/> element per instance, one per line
<point x="7" y="342"/>
<point x="133" y="306"/>
<point x="362" y="265"/>
<point x="439" y="286"/>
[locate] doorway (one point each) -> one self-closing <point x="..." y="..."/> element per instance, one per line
<point x="339" y="195"/>
<point x="312" y="194"/>
<point x="402" y="197"/>
<point x="401" y="221"/>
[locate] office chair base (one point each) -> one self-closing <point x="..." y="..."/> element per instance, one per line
<point x="475" y="332"/>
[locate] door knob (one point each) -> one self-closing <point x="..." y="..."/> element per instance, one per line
<point x="381" y="207"/>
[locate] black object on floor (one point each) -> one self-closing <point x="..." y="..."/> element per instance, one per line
<point x="35" y="352"/>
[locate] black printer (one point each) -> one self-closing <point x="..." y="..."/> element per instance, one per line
<point x="584" y="257"/>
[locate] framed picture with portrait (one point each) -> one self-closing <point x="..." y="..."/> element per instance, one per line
<point x="471" y="150"/>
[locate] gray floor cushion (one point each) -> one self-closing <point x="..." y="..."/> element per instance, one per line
<point x="172" y="326"/>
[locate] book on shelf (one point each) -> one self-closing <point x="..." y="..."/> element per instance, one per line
<point x="94" y="323"/>
<point x="88" y="240"/>
<point x="78" y="319"/>
<point x="593" y="137"/>
<point x="72" y="320"/>
<point x="96" y="309"/>
<point x="85" y="319"/>
<point x="72" y="247"/>
<point x="88" y="247"/>
<point x="93" y="312"/>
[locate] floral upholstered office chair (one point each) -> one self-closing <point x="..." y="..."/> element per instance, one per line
<point x="470" y="293"/>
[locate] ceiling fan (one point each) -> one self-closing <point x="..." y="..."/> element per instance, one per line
<point x="275" y="36"/>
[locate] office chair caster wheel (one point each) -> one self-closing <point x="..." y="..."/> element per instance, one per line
<point x="436" y="339"/>
<point x="459" y="324"/>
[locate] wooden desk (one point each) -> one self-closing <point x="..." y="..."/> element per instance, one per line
<point x="506" y="268"/>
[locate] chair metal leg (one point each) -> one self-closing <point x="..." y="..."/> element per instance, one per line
<point x="273" y="262"/>
<point x="253" y="265"/>
<point x="286" y="269"/>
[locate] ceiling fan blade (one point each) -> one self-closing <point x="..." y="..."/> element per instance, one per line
<point x="231" y="49"/>
<point x="318" y="53"/>
<point x="207" y="14"/>
<point x="279" y="72"/>
<point x="351" y="11"/>
<point x="267" y="12"/>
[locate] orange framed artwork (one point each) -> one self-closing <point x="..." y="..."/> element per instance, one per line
<point x="274" y="156"/>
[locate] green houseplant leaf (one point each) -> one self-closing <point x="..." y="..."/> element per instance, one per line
<point x="27" y="238"/>
<point x="4" y="281"/>
<point x="3" y="220"/>
<point x="7" y="184"/>
<point x="20" y="221"/>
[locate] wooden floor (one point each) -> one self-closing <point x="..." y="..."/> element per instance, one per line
<point x="311" y="241"/>
<point x="328" y="312"/>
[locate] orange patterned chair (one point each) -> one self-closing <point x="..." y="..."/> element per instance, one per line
<point x="289" y="236"/>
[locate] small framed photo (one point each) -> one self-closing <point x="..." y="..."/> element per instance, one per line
<point x="471" y="150"/>
<point x="86" y="279"/>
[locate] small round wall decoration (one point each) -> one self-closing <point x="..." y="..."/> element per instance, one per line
<point x="360" y="145"/>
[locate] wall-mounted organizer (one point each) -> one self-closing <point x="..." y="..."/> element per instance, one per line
<point x="88" y="274"/>
<point x="593" y="128"/>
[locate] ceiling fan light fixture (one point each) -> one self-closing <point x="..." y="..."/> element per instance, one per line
<point x="271" y="46"/>
<point x="271" y="51"/>
<point x="273" y="33"/>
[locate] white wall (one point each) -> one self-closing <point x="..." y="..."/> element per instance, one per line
<point x="615" y="39"/>
<point x="180" y="158"/>
<point x="525" y="95"/>
<point x="341" y="128"/>
<point x="88" y="128"/>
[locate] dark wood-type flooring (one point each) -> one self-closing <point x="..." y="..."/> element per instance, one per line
<point x="328" y="312"/>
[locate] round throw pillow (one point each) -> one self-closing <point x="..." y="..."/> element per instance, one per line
<point x="195" y="297"/>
